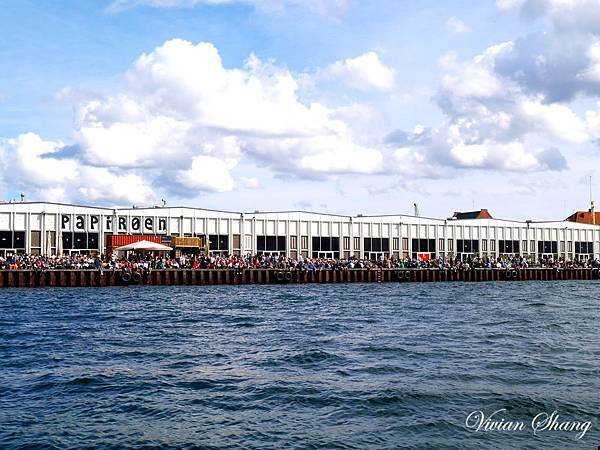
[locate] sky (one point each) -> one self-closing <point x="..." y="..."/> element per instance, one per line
<point x="339" y="106"/>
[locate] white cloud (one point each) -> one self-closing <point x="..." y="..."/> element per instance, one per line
<point x="491" y="122"/>
<point x="206" y="173"/>
<point x="511" y="156"/>
<point x="365" y="72"/>
<point x="182" y="122"/>
<point x="455" y="25"/>
<point x="37" y="167"/>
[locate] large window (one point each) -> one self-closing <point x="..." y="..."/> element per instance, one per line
<point x="467" y="246"/>
<point x="505" y="247"/>
<point x="12" y="239"/>
<point x="584" y="248"/>
<point x="423" y="246"/>
<point x="547" y="247"/>
<point x="377" y="245"/>
<point x="325" y="247"/>
<point x="218" y="243"/>
<point x="80" y="241"/>
<point x="375" y="248"/>
<point x="270" y="244"/>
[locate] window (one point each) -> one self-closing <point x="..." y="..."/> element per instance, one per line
<point x="395" y="244"/>
<point x="248" y="242"/>
<point x="441" y="245"/>
<point x="294" y="242"/>
<point x="325" y="247"/>
<point x="36" y="239"/>
<point x="19" y="240"/>
<point x="450" y="245"/>
<point x="67" y="241"/>
<point x="484" y="245"/>
<point x="405" y="244"/>
<point x="325" y="244"/>
<point x="346" y="243"/>
<point x="92" y="241"/>
<point x="508" y="246"/>
<point x="570" y="246"/>
<point x="377" y="245"/>
<point x="80" y="241"/>
<point x="236" y="241"/>
<point x="218" y="242"/>
<point x="584" y="248"/>
<point x="562" y="246"/>
<point x="547" y="247"/>
<point x="304" y="242"/>
<point x="492" y="246"/>
<point x="467" y="246"/>
<point x="531" y="246"/>
<point x="422" y="246"/>
<point x="270" y="243"/>
<point x="356" y="243"/>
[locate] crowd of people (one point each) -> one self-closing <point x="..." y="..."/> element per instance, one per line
<point x="147" y="262"/>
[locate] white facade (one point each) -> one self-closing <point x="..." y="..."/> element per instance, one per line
<point x="51" y="228"/>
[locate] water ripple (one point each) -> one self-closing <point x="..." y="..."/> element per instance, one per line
<point x="312" y="366"/>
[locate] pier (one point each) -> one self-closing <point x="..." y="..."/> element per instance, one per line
<point x="198" y="277"/>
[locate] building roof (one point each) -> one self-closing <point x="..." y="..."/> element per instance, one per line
<point x="481" y="214"/>
<point x="584" y="217"/>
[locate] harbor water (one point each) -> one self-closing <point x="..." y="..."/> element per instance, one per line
<point x="298" y="366"/>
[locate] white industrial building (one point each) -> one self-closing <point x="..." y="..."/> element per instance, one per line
<point x="52" y="228"/>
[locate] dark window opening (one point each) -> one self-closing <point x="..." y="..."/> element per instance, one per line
<point x="270" y="244"/>
<point x="584" y="248"/>
<point x="547" y="247"/>
<point x="5" y="239"/>
<point x="505" y="247"/>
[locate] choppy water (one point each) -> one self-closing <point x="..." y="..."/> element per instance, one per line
<point x="312" y="366"/>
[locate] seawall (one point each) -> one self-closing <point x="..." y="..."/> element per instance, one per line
<point x="169" y="277"/>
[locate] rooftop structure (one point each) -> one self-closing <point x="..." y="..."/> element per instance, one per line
<point x="481" y="214"/>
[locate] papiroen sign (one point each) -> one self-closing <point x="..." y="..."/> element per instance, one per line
<point x="120" y="224"/>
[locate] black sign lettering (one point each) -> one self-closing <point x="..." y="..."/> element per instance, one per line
<point x="135" y="224"/>
<point x="162" y="224"/>
<point x="80" y="222"/>
<point x="109" y="223"/>
<point x="65" y="222"/>
<point x="149" y="223"/>
<point x="93" y="222"/>
<point x="122" y="223"/>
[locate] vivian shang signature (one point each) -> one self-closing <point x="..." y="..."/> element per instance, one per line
<point x="543" y="422"/>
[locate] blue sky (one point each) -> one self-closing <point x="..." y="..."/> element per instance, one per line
<point x="342" y="106"/>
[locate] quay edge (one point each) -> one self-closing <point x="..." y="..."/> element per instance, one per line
<point x="198" y="277"/>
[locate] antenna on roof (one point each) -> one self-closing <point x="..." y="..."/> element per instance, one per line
<point x="416" y="209"/>
<point x="22" y="197"/>
<point x="164" y="202"/>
